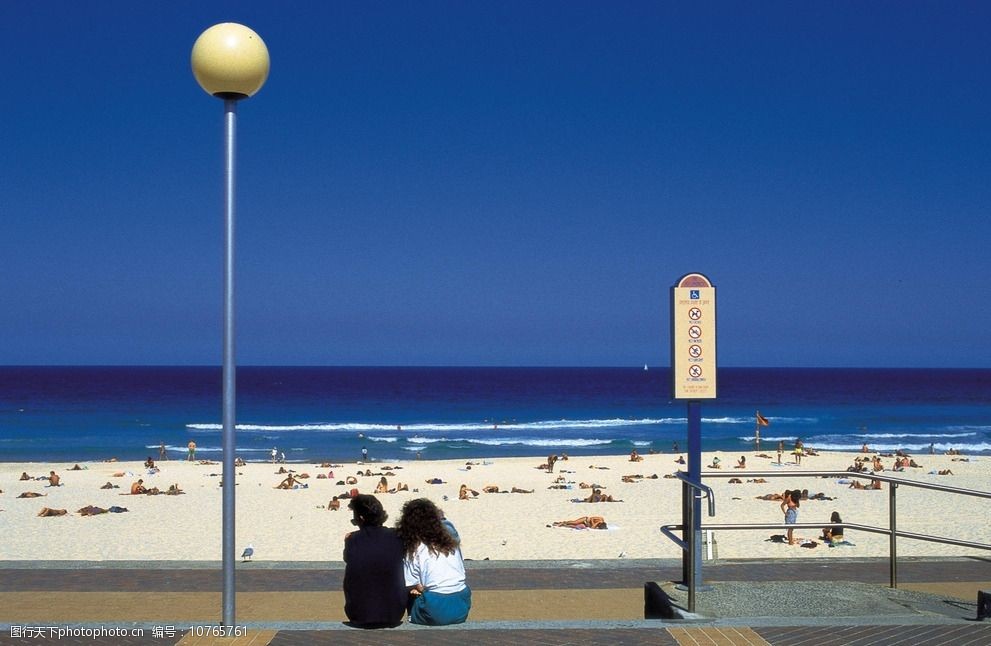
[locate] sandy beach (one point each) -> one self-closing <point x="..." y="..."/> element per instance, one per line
<point x="295" y="525"/>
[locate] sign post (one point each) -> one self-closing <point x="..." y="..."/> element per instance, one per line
<point x="693" y="378"/>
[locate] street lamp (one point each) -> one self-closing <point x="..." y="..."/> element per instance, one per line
<point x="230" y="62"/>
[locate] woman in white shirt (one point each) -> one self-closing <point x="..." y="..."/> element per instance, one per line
<point x="434" y="567"/>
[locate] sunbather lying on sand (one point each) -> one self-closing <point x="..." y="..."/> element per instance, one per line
<point x="583" y="522"/>
<point x="598" y="496"/>
<point x="45" y="511"/>
<point x="874" y="484"/>
<point x="496" y="489"/>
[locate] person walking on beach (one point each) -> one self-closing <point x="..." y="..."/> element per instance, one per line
<point x="781" y="449"/>
<point x="364" y="454"/>
<point x="192" y="451"/>
<point x="162" y="453"/>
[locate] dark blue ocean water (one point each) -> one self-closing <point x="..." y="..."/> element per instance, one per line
<point x="311" y="414"/>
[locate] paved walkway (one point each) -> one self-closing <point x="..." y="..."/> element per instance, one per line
<point x="803" y="601"/>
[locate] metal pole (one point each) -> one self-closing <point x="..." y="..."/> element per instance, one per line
<point x="695" y="474"/>
<point x="230" y="119"/>
<point x="893" y="536"/>
<point x="693" y="565"/>
<point x="686" y="532"/>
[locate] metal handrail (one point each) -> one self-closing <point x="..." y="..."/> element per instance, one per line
<point x="846" y="474"/>
<point x="690" y="569"/>
<point x="709" y="495"/>
<point x="666" y="529"/>
<point x="688" y="526"/>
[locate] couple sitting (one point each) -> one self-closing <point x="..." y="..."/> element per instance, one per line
<point x="417" y="567"/>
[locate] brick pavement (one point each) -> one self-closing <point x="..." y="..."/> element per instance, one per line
<point x="562" y="583"/>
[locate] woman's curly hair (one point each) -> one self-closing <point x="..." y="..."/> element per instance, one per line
<point x="420" y="522"/>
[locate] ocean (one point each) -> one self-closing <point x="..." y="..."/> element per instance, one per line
<point x="312" y="414"/>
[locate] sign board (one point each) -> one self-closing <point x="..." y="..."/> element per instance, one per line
<point x="693" y="338"/>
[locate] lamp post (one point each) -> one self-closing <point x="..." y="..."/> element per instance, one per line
<point x="230" y="62"/>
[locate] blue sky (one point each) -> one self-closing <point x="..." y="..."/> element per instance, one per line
<point x="513" y="183"/>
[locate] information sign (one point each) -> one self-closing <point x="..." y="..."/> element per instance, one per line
<point x="693" y="338"/>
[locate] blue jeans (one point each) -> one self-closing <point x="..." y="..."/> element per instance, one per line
<point x="435" y="609"/>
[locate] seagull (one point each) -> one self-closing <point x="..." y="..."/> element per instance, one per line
<point x="247" y="553"/>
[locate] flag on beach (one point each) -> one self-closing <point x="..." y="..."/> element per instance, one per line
<point x="762" y="421"/>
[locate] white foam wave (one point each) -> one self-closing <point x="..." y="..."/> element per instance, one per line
<point x="535" y="442"/>
<point x="813" y="440"/>
<point x="383" y="439"/>
<point x="510" y="441"/>
<point x="939" y="447"/>
<point x="769" y="438"/>
<point x="267" y="428"/>
<point x="353" y="427"/>
<point x="206" y="449"/>
<point x="894" y="435"/>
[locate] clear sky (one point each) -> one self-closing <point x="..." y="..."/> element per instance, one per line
<point x="500" y="183"/>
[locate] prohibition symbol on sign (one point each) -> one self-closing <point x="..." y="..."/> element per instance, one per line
<point x="695" y="332"/>
<point x="695" y="371"/>
<point x="695" y="313"/>
<point x="695" y="351"/>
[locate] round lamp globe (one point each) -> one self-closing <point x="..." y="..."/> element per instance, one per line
<point x="230" y="61"/>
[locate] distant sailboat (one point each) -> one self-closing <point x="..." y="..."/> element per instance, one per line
<point x="645" y="367"/>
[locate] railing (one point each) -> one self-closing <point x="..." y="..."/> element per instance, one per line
<point x="688" y="543"/>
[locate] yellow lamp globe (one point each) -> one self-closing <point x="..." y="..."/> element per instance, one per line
<point x="230" y="61"/>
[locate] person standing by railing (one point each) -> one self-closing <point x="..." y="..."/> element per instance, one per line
<point x="789" y="506"/>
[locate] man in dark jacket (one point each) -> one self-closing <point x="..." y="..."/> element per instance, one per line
<point x="374" y="587"/>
